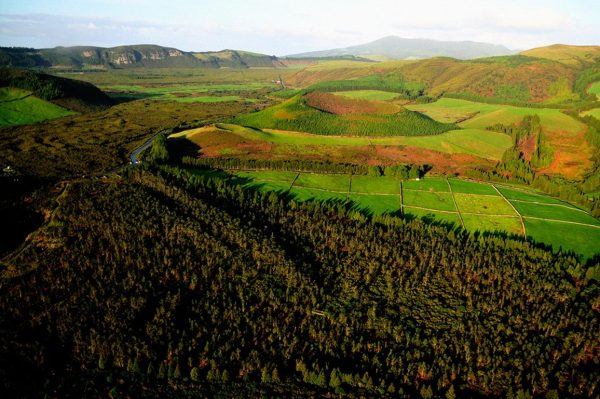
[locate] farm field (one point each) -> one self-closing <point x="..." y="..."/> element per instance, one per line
<point x="565" y="134"/>
<point x="370" y="95"/>
<point x="595" y="89"/>
<point x="19" y="107"/>
<point x="592" y="112"/>
<point x="475" y="142"/>
<point x="479" y="206"/>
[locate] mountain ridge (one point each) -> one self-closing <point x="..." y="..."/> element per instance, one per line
<point x="395" y="48"/>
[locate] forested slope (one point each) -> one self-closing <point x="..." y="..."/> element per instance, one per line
<point x="172" y="286"/>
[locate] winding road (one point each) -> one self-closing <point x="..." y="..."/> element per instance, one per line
<point x="137" y="151"/>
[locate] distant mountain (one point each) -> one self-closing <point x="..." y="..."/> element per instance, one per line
<point x="145" y="55"/>
<point x="397" y="48"/>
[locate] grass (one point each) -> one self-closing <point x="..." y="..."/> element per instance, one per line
<point x="511" y="225"/>
<point x="521" y="195"/>
<point x="595" y="89"/>
<point x="479" y="212"/>
<point x="207" y="99"/>
<point x="431" y="184"/>
<point x="376" y="204"/>
<point x="434" y="216"/>
<point x="479" y="204"/>
<point x="19" y="107"/>
<point x="266" y="186"/>
<point x="563" y="133"/>
<point x="481" y="143"/>
<point x="593" y="112"/>
<point x="569" y="237"/>
<point x="295" y="115"/>
<point x="370" y="95"/>
<point x="382" y="185"/>
<point x="280" y="176"/>
<point x="308" y="194"/>
<point x="467" y="187"/>
<point x="554" y="212"/>
<point x="433" y="200"/>
<point x="484" y="115"/>
<point x="325" y="182"/>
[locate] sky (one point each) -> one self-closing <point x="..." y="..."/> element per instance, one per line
<point x="289" y="26"/>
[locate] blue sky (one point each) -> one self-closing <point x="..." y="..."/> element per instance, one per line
<point x="289" y="26"/>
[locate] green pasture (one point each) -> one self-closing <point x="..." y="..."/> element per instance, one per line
<point x="467" y="187"/>
<point x="480" y="115"/>
<point x="547" y="220"/>
<point x="376" y="204"/>
<point x="569" y="237"/>
<point x="275" y="175"/>
<point x="295" y="115"/>
<point x="530" y="196"/>
<point x="314" y="194"/>
<point x="369" y="184"/>
<point x="430" y="200"/>
<point x="481" y="143"/>
<point x="554" y="212"/>
<point x="451" y="218"/>
<point x="595" y="89"/>
<point x="592" y="112"/>
<point x="370" y="95"/>
<point x="483" y="204"/>
<point x="432" y="184"/>
<point x="19" y="107"/>
<point x="339" y="183"/>
<point x="510" y="225"/>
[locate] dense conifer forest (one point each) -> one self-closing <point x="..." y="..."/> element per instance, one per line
<point x="160" y="283"/>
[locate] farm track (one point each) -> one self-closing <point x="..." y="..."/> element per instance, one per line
<point x="515" y="209"/>
<point x="462" y="222"/>
<point x="546" y="204"/>
<point x="561" y="221"/>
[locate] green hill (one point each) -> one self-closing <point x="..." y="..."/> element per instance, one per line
<point x="67" y="93"/>
<point x="19" y="107"/>
<point x="539" y="76"/>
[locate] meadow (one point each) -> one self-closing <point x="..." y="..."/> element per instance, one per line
<point x="476" y="206"/>
<point x="595" y="89"/>
<point x="566" y="135"/>
<point x="476" y="142"/>
<point x="296" y="115"/>
<point x="19" y="107"/>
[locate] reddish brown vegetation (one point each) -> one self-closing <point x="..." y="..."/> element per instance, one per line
<point x="339" y="105"/>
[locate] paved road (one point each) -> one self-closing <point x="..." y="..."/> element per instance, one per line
<point x="137" y="151"/>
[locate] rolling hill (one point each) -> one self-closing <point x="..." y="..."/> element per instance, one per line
<point x="397" y="48"/>
<point x="67" y="93"/>
<point x="549" y="75"/>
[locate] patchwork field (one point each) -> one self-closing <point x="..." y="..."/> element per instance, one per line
<point x="593" y="112"/>
<point x="595" y="89"/>
<point x="370" y="95"/>
<point x="19" y="107"/>
<point x="566" y="135"/>
<point x="476" y="206"/>
<point x="448" y="152"/>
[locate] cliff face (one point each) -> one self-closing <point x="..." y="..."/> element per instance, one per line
<point x="131" y="56"/>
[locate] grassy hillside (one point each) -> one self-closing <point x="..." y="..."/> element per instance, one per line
<point x="567" y="54"/>
<point x="72" y="94"/>
<point x="20" y="107"/>
<point x="296" y="115"/>
<point x="566" y="135"/>
<point x="542" y="76"/>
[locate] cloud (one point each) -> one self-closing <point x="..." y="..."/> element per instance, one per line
<point x="301" y="26"/>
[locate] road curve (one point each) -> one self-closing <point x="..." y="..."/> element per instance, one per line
<point x="137" y="151"/>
